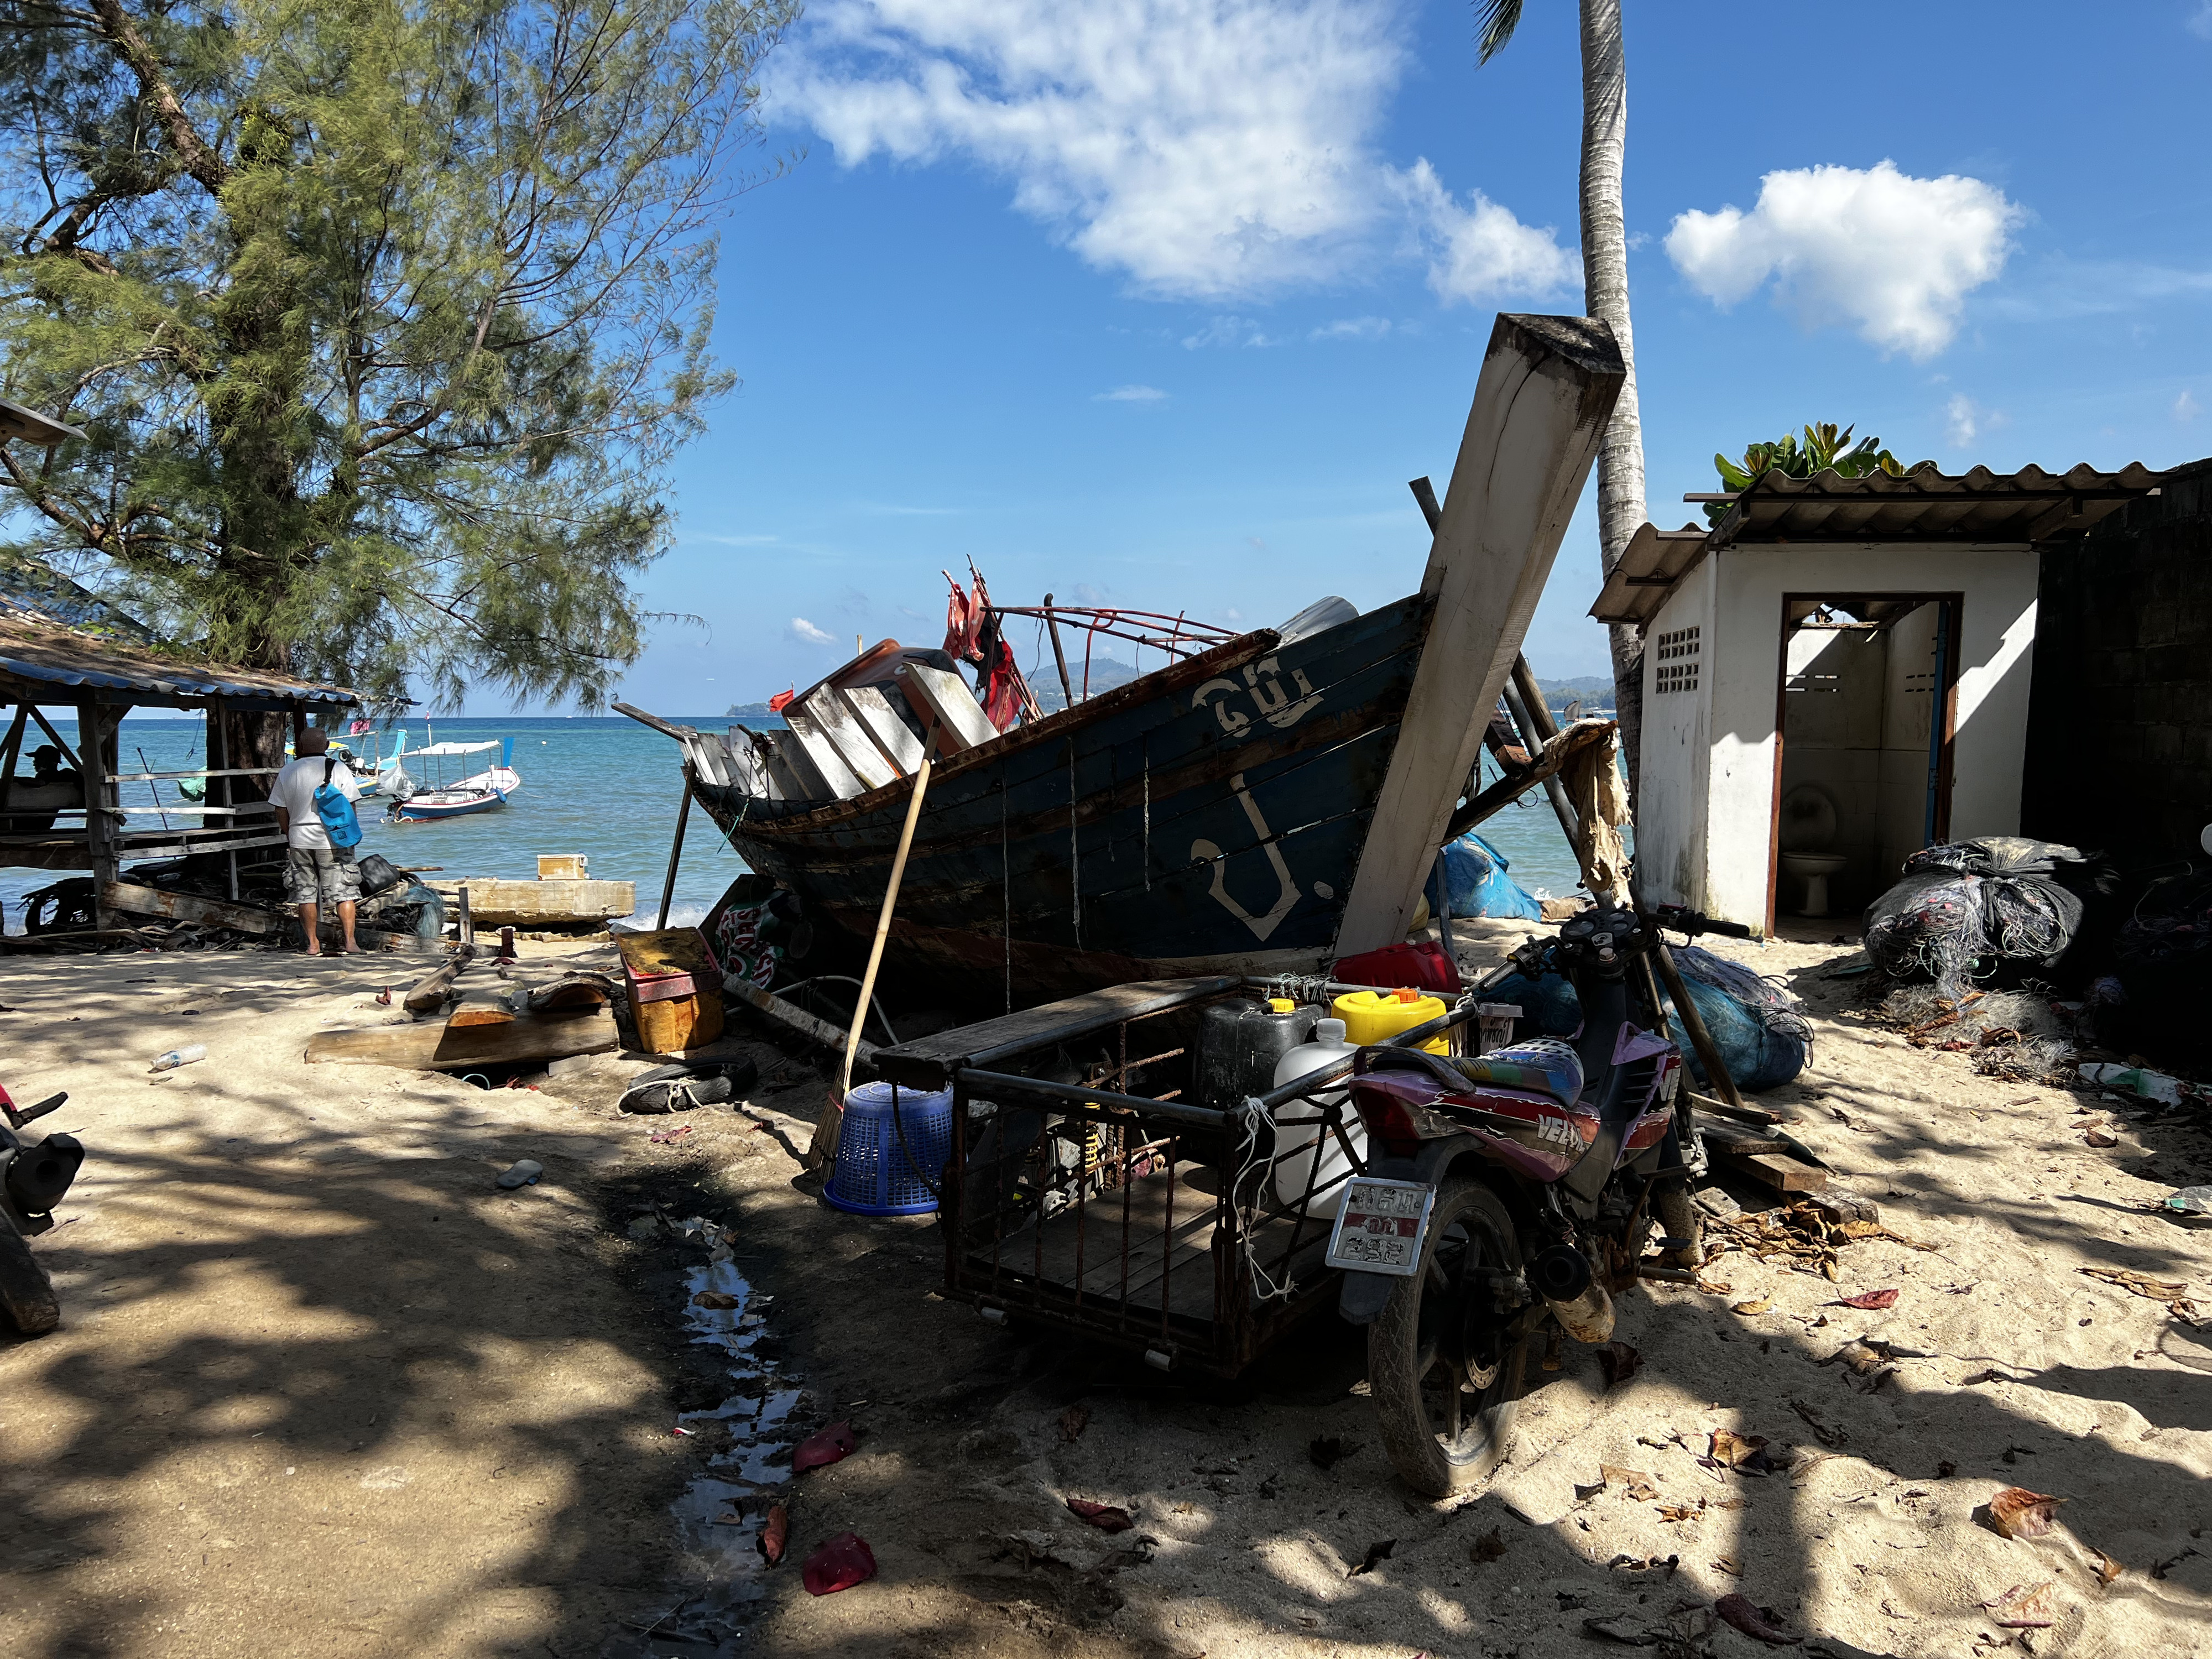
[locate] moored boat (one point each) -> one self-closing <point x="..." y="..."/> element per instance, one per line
<point x="479" y="793"/>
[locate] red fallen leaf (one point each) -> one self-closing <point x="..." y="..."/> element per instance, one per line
<point x="1753" y="1621"/>
<point x="775" y="1534"/>
<point x="1870" y="1299"/>
<point x="2016" y="1512"/>
<point x="844" y="1561"/>
<point x="832" y="1444"/>
<point x="1618" y="1361"/>
<point x="1104" y="1517"/>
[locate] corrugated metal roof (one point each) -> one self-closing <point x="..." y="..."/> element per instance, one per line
<point x="54" y="633"/>
<point x="1980" y="507"/>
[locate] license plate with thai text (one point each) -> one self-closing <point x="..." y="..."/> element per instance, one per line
<point x="1380" y="1228"/>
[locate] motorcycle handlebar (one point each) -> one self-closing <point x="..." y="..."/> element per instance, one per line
<point x="19" y="1115"/>
<point x="1694" y="922"/>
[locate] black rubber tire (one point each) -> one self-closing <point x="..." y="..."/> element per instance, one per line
<point x="25" y="1290"/>
<point x="1395" y="1367"/>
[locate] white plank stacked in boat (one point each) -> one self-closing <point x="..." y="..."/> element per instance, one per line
<point x="844" y="741"/>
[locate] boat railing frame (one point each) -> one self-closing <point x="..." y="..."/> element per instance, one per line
<point x="1115" y="1277"/>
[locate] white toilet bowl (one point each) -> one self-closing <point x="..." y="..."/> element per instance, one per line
<point x="1813" y="869"/>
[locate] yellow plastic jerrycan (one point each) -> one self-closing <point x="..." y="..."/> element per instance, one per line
<point x="1375" y="1015"/>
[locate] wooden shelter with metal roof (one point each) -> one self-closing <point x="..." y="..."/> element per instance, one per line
<point x="1836" y="674"/>
<point x="60" y="645"/>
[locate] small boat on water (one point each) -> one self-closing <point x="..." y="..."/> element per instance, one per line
<point x="478" y="793"/>
<point x="375" y="773"/>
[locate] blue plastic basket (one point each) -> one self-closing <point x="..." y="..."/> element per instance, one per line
<point x="874" y="1175"/>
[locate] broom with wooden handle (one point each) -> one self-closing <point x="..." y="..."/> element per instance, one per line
<point x="824" y="1150"/>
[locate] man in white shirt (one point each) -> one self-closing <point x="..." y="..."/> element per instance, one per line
<point x="316" y="872"/>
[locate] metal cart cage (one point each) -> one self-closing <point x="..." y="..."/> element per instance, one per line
<point x="1140" y="1219"/>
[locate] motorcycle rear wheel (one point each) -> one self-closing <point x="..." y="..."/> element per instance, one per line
<point x="25" y="1290"/>
<point x="1446" y="1371"/>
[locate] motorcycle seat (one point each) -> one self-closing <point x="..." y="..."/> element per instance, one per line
<point x="1541" y="1066"/>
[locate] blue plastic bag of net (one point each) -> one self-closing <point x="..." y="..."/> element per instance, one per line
<point x="1472" y="873"/>
<point x="1761" y="1032"/>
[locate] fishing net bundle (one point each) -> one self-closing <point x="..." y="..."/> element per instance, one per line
<point x="2154" y="1000"/>
<point x="1965" y="908"/>
<point x="1758" y="1027"/>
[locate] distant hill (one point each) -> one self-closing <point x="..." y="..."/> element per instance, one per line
<point x="1105" y="675"/>
<point x="757" y="710"/>
<point x="1593" y="691"/>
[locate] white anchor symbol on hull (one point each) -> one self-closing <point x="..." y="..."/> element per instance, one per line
<point x="1261" y="927"/>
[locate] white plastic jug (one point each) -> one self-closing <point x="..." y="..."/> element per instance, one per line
<point x="1298" y="1144"/>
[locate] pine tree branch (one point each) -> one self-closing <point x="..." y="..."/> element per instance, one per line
<point x="198" y="160"/>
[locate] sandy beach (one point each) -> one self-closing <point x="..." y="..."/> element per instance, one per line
<point x="322" y="1387"/>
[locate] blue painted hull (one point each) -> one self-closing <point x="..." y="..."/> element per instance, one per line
<point x="413" y="809"/>
<point x="1208" y="816"/>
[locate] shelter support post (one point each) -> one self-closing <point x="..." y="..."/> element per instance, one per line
<point x="676" y="851"/>
<point x="95" y="766"/>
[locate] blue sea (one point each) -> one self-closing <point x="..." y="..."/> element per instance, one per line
<point x="610" y="788"/>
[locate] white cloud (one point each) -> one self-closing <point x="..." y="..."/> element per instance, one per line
<point x="1895" y="254"/>
<point x="1964" y="423"/>
<point x="1208" y="148"/>
<point x="1353" y="328"/>
<point x="1480" y="252"/>
<point x="2186" y="408"/>
<point x="1131" y="394"/>
<point x="734" y="541"/>
<point x="2200" y="24"/>
<point x="1227" y="331"/>
<point x="807" y="634"/>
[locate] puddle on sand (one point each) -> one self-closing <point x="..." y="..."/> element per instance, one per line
<point x="716" y="1572"/>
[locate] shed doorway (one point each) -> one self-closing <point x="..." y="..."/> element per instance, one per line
<point x="1865" y="720"/>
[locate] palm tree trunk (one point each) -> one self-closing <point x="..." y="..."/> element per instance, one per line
<point x="1605" y="283"/>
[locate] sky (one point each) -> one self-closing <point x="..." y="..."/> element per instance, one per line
<point x="1162" y="302"/>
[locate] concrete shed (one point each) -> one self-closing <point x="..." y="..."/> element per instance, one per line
<point x="1836" y="675"/>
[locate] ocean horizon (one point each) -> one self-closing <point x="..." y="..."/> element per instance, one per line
<point x="606" y="787"/>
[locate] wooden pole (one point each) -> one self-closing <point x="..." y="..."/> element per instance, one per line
<point x="824" y="1147"/>
<point x="676" y="851"/>
<point x="100" y="833"/>
<point x="13" y="748"/>
<point x="1059" y="656"/>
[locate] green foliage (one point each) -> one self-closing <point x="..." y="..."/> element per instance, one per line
<point x="1825" y="449"/>
<point x="383" y="317"/>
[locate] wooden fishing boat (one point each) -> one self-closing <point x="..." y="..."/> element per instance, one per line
<point x="480" y="792"/>
<point x="1258" y="805"/>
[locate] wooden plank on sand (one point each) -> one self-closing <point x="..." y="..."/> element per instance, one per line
<point x="433" y="1048"/>
<point x="185" y="907"/>
<point x="507" y="903"/>
<point x="1782" y="1172"/>
<point x="429" y="992"/>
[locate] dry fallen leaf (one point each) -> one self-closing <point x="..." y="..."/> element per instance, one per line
<point x="1074" y="1420"/>
<point x="1327" y="1451"/>
<point x="1870" y="1300"/>
<point x="1618" y="1361"/>
<point x="770" y="1543"/>
<point x="2097" y="1134"/>
<point x="1745" y="1453"/>
<point x="1104" y="1517"/>
<point x="1489" y="1546"/>
<point x="2025" y="1607"/>
<point x="1758" y="1623"/>
<point x="2016" y="1512"/>
<point x="1748" y="1308"/>
<point x="1635" y="1482"/>
<point x="1682" y="1511"/>
<point x="2108" y="1567"/>
<point x="1729" y="1564"/>
<point x="721" y="1299"/>
<point x="1377" y="1555"/>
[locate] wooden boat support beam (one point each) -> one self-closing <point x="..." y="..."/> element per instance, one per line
<point x="1547" y="387"/>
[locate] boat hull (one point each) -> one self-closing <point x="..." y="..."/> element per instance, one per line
<point x="1207" y="817"/>
<point x="448" y="804"/>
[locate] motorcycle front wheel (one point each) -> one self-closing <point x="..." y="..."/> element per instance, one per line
<point x="1446" y="1369"/>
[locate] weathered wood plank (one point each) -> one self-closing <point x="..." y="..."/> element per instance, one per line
<point x="874" y="710"/>
<point x="929" y="1062"/>
<point x="847" y="736"/>
<point x="432" y="1048"/>
<point x="1780" y="1171"/>
<point x="961" y="721"/>
<point x="427" y="994"/>
<point x="796" y="1019"/>
<point x="822" y="754"/>
<point x="187" y="906"/>
<point x="1546" y="389"/>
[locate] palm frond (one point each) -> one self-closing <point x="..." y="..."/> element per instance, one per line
<point x="1496" y="20"/>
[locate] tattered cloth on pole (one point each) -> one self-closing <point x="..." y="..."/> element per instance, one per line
<point x="1592" y="779"/>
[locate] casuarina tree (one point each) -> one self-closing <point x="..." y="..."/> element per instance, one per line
<point x="1605" y="295"/>
<point x="382" y="317"/>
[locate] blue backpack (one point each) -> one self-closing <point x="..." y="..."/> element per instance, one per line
<point x="335" y="809"/>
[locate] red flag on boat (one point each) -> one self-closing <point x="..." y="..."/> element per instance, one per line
<point x="776" y="703"/>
